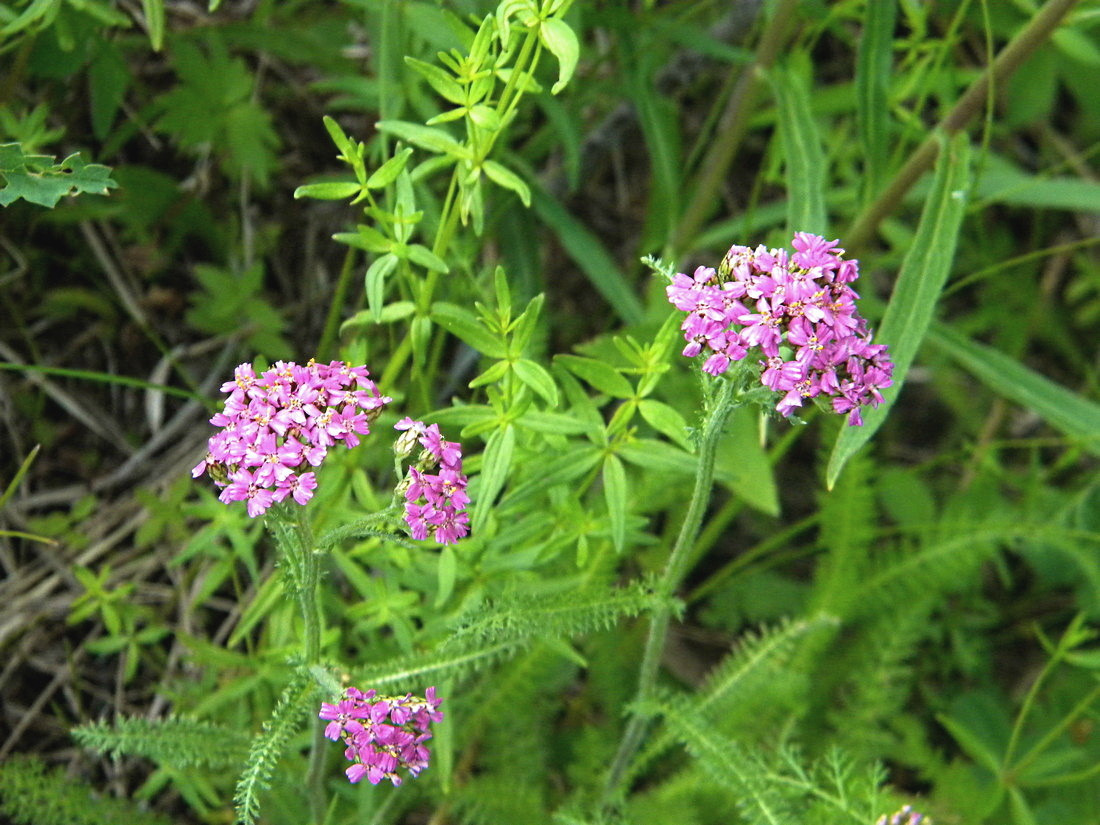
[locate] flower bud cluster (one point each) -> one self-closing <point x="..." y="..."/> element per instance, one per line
<point x="435" y="502"/>
<point x="383" y="734"/>
<point x="281" y="421"/>
<point x="796" y="310"/>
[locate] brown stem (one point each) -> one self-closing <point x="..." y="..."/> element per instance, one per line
<point x="731" y="128"/>
<point x="1033" y="35"/>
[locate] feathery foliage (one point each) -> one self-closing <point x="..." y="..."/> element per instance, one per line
<point x="33" y="794"/>
<point x="296" y="703"/>
<point x="177" y="742"/>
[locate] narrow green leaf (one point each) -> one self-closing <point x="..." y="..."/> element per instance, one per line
<point x="664" y="419"/>
<point x="552" y="423"/>
<point x="538" y="378"/>
<point x="615" y="494"/>
<point x="561" y="470"/>
<point x="421" y="335"/>
<point x="874" y="61"/>
<point x="446" y="571"/>
<point x="803" y="156"/>
<point x="387" y="173"/>
<point x="467" y="326"/>
<point x="492" y="375"/>
<point x="918" y="287"/>
<point x="438" y="79"/>
<point x="154" y="19"/>
<point x="603" y="377"/>
<point x="658" y="456"/>
<point x="1063" y="409"/>
<point x="494" y="470"/>
<point x="375" y="283"/>
<point x="343" y="143"/>
<point x="434" y="140"/>
<point x="561" y="41"/>
<point x="426" y="258"/>
<point x="505" y="177"/>
<point x="328" y="191"/>
<point x="591" y="256"/>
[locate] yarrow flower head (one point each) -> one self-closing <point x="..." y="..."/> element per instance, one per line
<point x="278" y="423"/>
<point x="435" y="488"/>
<point x="906" y="816"/>
<point x="383" y="734"/>
<point x="797" y="313"/>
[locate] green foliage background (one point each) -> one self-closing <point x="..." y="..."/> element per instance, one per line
<point x="898" y="613"/>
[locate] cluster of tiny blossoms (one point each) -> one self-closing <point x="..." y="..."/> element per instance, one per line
<point x="382" y="733"/>
<point x="906" y="816"/>
<point x="277" y="423"/>
<point x="434" y="502"/>
<point x="798" y="310"/>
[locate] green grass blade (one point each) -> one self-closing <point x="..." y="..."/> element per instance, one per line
<point x="590" y="255"/>
<point x="1064" y="410"/>
<point x="918" y="287"/>
<point x="873" y="68"/>
<point x="803" y="156"/>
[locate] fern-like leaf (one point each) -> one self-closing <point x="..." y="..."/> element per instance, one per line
<point x="32" y="794"/>
<point x="517" y="616"/>
<point x="177" y="742"/>
<point x="269" y="745"/>
<point x="418" y="670"/>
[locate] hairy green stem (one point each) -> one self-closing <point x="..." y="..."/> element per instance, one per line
<point x="1029" y="38"/>
<point x="675" y="569"/>
<point x="309" y="566"/>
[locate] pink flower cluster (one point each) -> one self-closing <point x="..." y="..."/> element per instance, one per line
<point x="798" y="310"/>
<point x="434" y="502"/>
<point x="906" y="816"/>
<point x="382" y="733"/>
<point x="276" y="423"/>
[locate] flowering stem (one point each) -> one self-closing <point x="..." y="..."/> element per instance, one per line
<point x="309" y="564"/>
<point x="674" y="571"/>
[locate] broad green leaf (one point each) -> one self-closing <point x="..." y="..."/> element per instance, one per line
<point x="743" y="463"/>
<point x="502" y="176"/>
<point x="494" y="471"/>
<point x="328" y="191"/>
<point x="538" y="378"/>
<point x="603" y="377"/>
<point x="467" y="326"/>
<point x="561" y="41"/>
<point x="615" y="494"/>
<point x="918" y="287"/>
<point x="1063" y="409"/>
<point x="874" y="61"/>
<point x="803" y="157"/>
